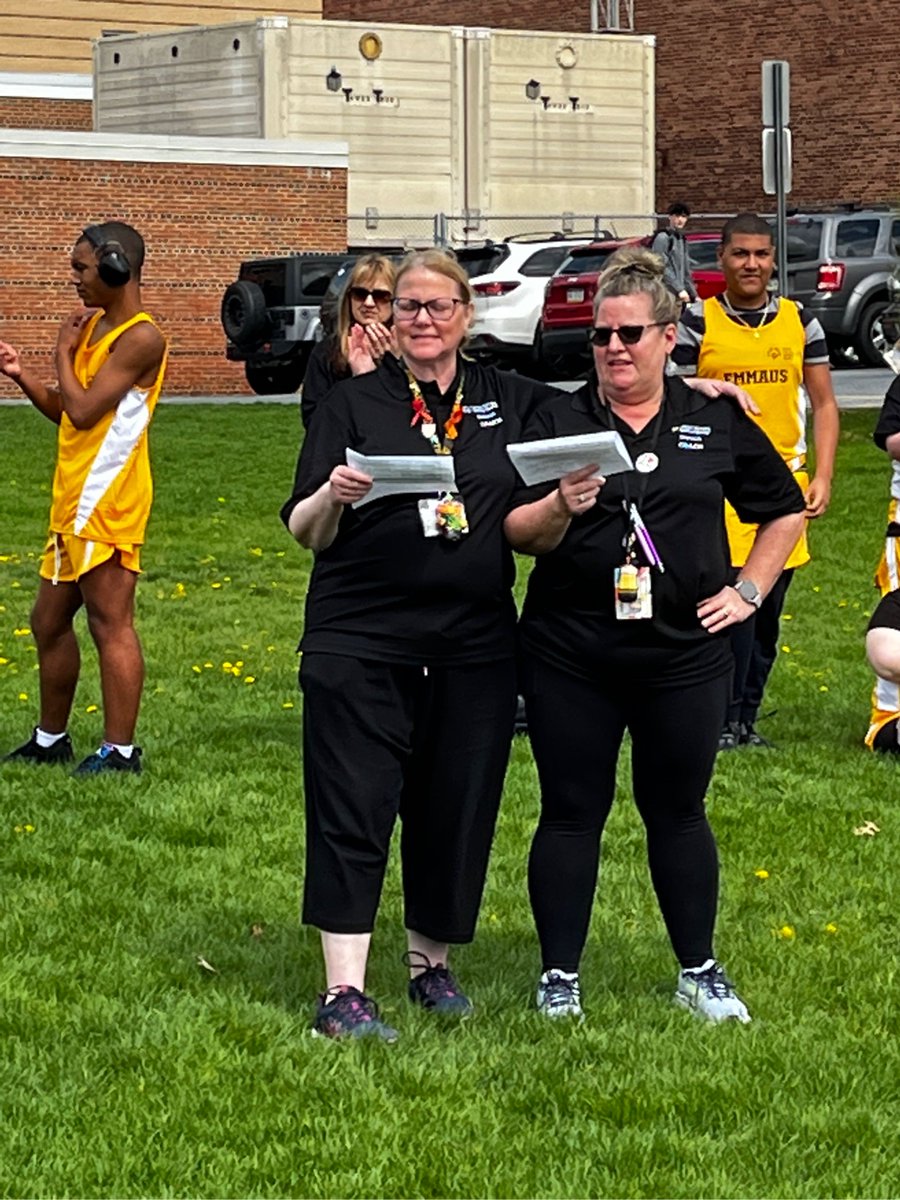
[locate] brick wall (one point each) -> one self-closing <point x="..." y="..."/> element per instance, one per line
<point x="198" y="221"/>
<point x="32" y="112"/>
<point x="844" y="111"/>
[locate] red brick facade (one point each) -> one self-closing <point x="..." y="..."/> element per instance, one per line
<point x="844" y="111"/>
<point x="32" y="112"/>
<point x="198" y="222"/>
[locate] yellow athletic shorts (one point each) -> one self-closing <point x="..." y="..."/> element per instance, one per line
<point x="67" y="557"/>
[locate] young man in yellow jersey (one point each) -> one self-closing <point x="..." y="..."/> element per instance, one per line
<point x="110" y="361"/>
<point x="769" y="346"/>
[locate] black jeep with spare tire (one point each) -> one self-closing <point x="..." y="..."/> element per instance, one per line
<point x="271" y="316"/>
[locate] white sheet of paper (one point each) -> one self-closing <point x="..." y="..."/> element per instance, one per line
<point x="551" y="458"/>
<point x="399" y="474"/>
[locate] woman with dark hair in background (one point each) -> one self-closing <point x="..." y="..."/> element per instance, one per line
<point x="362" y="334"/>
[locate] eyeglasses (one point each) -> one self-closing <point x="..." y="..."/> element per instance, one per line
<point x="441" y="308"/>
<point x="629" y="335"/>
<point x="379" y="295"/>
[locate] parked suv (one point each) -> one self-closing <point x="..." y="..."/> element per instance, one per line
<point x="271" y="317"/>
<point x="839" y="267"/>
<point x="508" y="279"/>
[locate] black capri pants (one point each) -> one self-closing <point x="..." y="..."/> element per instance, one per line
<point x="428" y="745"/>
<point x="576" y="728"/>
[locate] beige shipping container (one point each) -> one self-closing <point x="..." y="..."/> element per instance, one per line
<point x="498" y="129"/>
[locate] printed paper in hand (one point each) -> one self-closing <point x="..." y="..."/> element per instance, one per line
<point x="398" y="474"/>
<point x="551" y="458"/>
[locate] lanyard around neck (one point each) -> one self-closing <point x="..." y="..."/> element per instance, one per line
<point x="422" y="414"/>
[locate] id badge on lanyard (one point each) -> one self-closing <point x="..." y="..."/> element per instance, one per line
<point x="445" y="515"/>
<point x="633" y="583"/>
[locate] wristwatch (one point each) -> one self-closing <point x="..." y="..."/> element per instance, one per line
<point x="747" y="590"/>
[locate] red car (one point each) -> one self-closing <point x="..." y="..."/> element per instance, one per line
<point x="569" y="296"/>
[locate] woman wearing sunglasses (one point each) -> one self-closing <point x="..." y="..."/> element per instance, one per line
<point x="408" y="671"/>
<point x="362" y="333"/>
<point x="623" y="628"/>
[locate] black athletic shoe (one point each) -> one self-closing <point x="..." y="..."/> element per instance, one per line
<point x="435" y="989"/>
<point x="107" y="758"/>
<point x="749" y="737"/>
<point x="59" y="752"/>
<point x="730" y="737"/>
<point x="344" y="1013"/>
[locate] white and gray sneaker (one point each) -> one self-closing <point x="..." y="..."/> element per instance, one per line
<point x="709" y="993"/>
<point x="559" y="994"/>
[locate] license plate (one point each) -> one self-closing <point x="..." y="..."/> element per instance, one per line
<point x="575" y="295"/>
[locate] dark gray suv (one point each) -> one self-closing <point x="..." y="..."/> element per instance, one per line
<point x="839" y="267"/>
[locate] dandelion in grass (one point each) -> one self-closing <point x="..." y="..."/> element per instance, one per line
<point x="256" y="551"/>
<point x="23" y="696"/>
<point x="179" y="591"/>
<point x="823" y="688"/>
<point x="227" y="667"/>
<point x="15" y="584"/>
<point x="831" y="927"/>
<point x="92" y="708"/>
<point x="288" y="704"/>
<point x="23" y="632"/>
<point x="249" y="679"/>
<point x="785" y="649"/>
<point x="215" y="586"/>
<point x="762" y="873"/>
<point x="207" y="666"/>
<point x="3" y="662"/>
<point x="787" y="933"/>
<point x="196" y="669"/>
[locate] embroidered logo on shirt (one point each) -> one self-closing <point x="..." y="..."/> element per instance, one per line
<point x="691" y="436"/>
<point x="486" y="414"/>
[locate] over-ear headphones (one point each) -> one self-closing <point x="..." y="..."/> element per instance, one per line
<point x="112" y="262"/>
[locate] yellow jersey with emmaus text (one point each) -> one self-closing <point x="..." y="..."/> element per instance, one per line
<point x="102" y="489"/>
<point x="766" y="360"/>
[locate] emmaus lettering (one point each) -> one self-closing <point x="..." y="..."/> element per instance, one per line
<point x="763" y="375"/>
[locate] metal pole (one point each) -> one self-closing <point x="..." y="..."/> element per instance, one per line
<point x="781" y="215"/>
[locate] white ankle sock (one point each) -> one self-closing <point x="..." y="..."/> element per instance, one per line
<point x="46" y="740"/>
<point x="710" y="962"/>
<point x="125" y="751"/>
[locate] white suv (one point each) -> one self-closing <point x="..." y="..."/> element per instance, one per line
<point x="508" y="279"/>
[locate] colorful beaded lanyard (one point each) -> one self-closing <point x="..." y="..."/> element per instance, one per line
<point x="429" y="427"/>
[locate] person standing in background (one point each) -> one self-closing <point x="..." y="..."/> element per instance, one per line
<point x="670" y="245"/>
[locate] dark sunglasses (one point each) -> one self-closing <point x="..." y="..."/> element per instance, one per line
<point x="379" y="295"/>
<point x="629" y="335"/>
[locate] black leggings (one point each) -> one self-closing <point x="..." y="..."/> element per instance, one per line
<point x="576" y="730"/>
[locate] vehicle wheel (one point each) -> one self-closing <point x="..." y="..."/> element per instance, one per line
<point x="871" y="341"/>
<point x="275" y="379"/>
<point x="244" y="316"/>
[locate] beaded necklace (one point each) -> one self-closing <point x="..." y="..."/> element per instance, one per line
<point x="429" y="427"/>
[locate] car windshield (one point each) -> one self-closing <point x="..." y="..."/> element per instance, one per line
<point x="703" y="254"/>
<point x="481" y="260"/>
<point x="582" y="264"/>
<point x="803" y="239"/>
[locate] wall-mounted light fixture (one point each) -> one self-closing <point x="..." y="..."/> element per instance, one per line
<point x="333" y="80"/>
<point x="533" y="89"/>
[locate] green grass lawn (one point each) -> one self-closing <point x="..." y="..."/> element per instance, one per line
<point x="131" y="1069"/>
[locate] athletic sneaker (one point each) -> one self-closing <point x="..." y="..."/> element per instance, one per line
<point x="435" y="989"/>
<point x="710" y="994"/>
<point x="32" y="752"/>
<point x="749" y="737"/>
<point x="108" y="758"/>
<point x="559" y="995"/>
<point x="344" y="1012"/>
<point x="730" y="737"/>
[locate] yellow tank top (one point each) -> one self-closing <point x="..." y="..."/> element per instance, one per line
<point x="767" y="361"/>
<point x="103" y="489"/>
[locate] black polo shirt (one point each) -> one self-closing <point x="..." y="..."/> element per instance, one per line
<point x="888" y="424"/>
<point x="384" y="591"/>
<point x="319" y="378"/>
<point x="708" y="451"/>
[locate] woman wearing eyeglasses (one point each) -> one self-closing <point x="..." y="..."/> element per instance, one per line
<point x="622" y="629"/>
<point x="362" y="334"/>
<point x="408" y="671"/>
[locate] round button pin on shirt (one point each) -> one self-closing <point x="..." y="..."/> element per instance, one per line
<point x="646" y="463"/>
